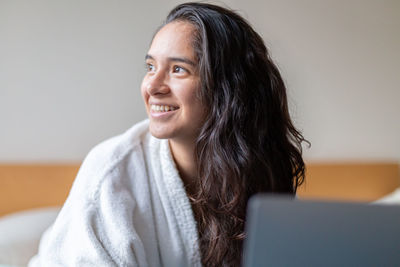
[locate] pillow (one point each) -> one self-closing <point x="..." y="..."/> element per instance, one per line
<point x="20" y="234"/>
<point x="392" y="198"/>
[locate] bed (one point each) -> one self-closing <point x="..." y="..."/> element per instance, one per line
<point x="32" y="194"/>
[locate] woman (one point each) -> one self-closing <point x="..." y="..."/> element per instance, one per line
<point x="172" y="190"/>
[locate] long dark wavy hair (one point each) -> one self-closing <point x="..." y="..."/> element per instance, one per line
<point x="248" y="143"/>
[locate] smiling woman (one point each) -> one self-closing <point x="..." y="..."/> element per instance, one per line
<point x="173" y="190"/>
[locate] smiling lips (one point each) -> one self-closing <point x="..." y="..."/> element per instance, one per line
<point x="162" y="108"/>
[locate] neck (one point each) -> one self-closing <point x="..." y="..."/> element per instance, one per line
<point x="183" y="154"/>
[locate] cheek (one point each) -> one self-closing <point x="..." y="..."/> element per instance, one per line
<point x="194" y="104"/>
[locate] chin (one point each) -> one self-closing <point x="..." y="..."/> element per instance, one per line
<point x="159" y="132"/>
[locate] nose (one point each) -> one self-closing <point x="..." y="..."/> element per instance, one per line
<point x="156" y="84"/>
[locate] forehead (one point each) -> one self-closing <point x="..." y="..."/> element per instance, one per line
<point x="174" y="39"/>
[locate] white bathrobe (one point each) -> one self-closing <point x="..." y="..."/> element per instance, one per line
<point x="127" y="207"/>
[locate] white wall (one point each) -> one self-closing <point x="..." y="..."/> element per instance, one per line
<point x="70" y="73"/>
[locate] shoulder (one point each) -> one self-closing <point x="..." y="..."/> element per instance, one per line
<point x="115" y="148"/>
<point x="111" y="159"/>
<point x="96" y="224"/>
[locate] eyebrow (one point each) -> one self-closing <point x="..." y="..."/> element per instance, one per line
<point x="179" y="59"/>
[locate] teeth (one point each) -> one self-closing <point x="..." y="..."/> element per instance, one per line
<point x="162" y="108"/>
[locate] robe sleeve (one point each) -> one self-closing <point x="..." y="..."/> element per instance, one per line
<point x="94" y="227"/>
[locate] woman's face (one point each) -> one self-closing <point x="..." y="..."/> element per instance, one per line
<point x="170" y="86"/>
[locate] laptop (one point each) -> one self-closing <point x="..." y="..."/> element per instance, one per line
<point x="283" y="231"/>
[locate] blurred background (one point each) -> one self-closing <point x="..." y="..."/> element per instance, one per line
<point x="70" y="73"/>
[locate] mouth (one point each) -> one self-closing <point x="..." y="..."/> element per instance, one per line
<point x="162" y="108"/>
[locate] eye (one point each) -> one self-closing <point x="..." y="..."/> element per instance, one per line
<point x="179" y="69"/>
<point x="150" y="67"/>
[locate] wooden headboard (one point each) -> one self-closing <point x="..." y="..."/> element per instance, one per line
<point x="35" y="185"/>
<point x="39" y="185"/>
<point x="363" y="182"/>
